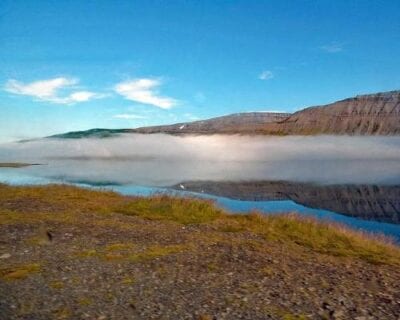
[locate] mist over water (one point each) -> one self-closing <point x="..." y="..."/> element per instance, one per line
<point x="163" y="160"/>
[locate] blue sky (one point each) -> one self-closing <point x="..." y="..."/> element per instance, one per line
<point x="75" y="65"/>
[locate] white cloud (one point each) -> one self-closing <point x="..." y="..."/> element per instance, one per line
<point x="143" y="91"/>
<point x="128" y="116"/>
<point x="266" y="75"/>
<point x="48" y="90"/>
<point x="43" y="89"/>
<point x="81" y="96"/>
<point x="332" y="48"/>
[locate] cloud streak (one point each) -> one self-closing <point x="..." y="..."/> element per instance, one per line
<point x="49" y="90"/>
<point x="332" y="48"/>
<point x="144" y="91"/>
<point x="128" y="116"/>
<point x="266" y="75"/>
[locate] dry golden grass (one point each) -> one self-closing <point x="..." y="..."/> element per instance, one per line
<point x="322" y="237"/>
<point x="56" y="284"/>
<point x="19" y="272"/>
<point x="178" y="209"/>
<point x="67" y="204"/>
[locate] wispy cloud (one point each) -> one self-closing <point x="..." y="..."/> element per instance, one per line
<point x="191" y="117"/>
<point x="128" y="116"/>
<point x="144" y="91"/>
<point x="48" y="90"/>
<point x="266" y="75"/>
<point x="332" y="47"/>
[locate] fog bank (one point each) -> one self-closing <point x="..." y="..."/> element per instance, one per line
<point x="161" y="160"/>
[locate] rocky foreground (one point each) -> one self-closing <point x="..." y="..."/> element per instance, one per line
<point x="69" y="253"/>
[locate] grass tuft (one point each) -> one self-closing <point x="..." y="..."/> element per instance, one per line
<point x="119" y="246"/>
<point x="178" y="209"/>
<point x="19" y="272"/>
<point x="56" y="284"/>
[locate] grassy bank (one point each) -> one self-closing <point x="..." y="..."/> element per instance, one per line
<point x="35" y="204"/>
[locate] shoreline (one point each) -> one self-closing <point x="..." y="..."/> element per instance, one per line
<point x="18" y="164"/>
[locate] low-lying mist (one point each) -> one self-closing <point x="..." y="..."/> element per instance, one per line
<point x="162" y="160"/>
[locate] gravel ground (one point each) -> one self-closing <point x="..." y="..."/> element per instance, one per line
<point x="124" y="267"/>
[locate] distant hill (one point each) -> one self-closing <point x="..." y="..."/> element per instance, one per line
<point x="92" y="133"/>
<point x="372" y="114"/>
<point x="251" y="122"/>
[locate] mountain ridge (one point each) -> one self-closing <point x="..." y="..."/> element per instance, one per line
<point x="367" y="114"/>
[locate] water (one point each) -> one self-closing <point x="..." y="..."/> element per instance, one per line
<point x="354" y="181"/>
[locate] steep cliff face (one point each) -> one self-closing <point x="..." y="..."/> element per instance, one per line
<point x="369" y="202"/>
<point x="375" y="114"/>
<point x="251" y="122"/>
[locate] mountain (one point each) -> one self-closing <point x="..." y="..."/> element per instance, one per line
<point x="251" y="122"/>
<point x="368" y="202"/>
<point x="372" y="114"/>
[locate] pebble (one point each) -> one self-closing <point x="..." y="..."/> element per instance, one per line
<point x="5" y="256"/>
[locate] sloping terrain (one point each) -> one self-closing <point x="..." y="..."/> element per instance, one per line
<point x="251" y="123"/>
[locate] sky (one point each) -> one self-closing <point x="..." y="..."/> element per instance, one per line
<point x="76" y="65"/>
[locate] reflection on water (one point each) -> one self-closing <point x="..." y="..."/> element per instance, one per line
<point x="369" y="202"/>
<point x="352" y="180"/>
